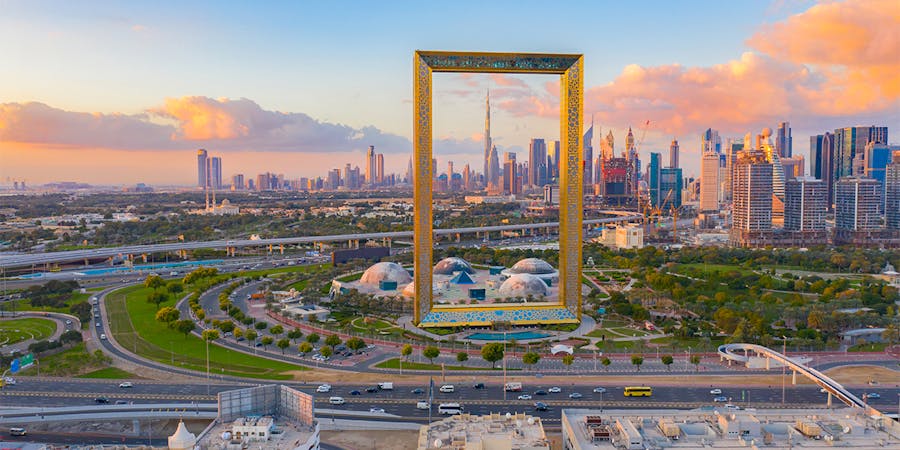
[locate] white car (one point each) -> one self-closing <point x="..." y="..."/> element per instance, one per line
<point x="599" y="390"/>
<point x="337" y="400"/>
<point x="126" y="384"/>
<point x="554" y="390"/>
<point x="525" y="397"/>
<point x="324" y="388"/>
<point x="423" y="405"/>
<point x="447" y="389"/>
<point x="376" y="410"/>
<point x="102" y="337"/>
<point x="9" y="380"/>
<point x="716" y="392"/>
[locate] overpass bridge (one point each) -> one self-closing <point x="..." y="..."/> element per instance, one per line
<point x="833" y="388"/>
<point x="36" y="259"/>
<point x="156" y="411"/>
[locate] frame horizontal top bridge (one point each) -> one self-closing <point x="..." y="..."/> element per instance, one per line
<point x="486" y="62"/>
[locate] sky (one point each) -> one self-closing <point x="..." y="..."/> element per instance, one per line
<point x="110" y="92"/>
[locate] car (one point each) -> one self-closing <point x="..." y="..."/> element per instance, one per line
<point x="720" y="399"/>
<point x="541" y="406"/>
<point x="370" y="346"/>
<point x="101" y="400"/>
<point x="258" y="344"/>
<point x="97" y="324"/>
<point x="323" y="388"/>
<point x="447" y="389"/>
<point x="376" y="410"/>
<point x="68" y="322"/>
<point x="418" y="391"/>
<point x="734" y="407"/>
<point x="102" y="336"/>
<point x="423" y="405"/>
<point x="823" y="390"/>
<point x="121" y="402"/>
<point x="9" y="380"/>
<point x="540" y="392"/>
<point x="554" y="390"/>
<point x="240" y="339"/>
<point x="126" y="384"/>
<point x="478" y="386"/>
<point x="371" y="389"/>
<point x="575" y="395"/>
<point x="17" y="431"/>
<point x="355" y="392"/>
<point x="336" y="400"/>
<point x="873" y="395"/>
<point x="525" y="397"/>
<point x="716" y="392"/>
<point x="599" y="390"/>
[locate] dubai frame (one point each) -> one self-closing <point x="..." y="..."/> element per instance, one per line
<point x="570" y="68"/>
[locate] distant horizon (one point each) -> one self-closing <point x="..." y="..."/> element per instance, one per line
<point x="117" y="94"/>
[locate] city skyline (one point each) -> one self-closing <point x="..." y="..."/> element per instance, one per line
<point x="740" y="83"/>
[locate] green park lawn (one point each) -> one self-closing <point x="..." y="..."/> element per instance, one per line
<point x="133" y="323"/>
<point x="394" y="363"/>
<point x="111" y="373"/>
<point x="18" y="330"/>
<point x="69" y="362"/>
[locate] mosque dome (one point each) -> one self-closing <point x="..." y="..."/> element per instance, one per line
<point x="522" y="285"/>
<point x="448" y="266"/>
<point x="385" y="271"/>
<point x="533" y="266"/>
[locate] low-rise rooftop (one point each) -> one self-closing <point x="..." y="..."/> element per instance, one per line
<point x="489" y="432"/>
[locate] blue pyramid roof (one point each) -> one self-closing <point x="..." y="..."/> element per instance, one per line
<point x="462" y="278"/>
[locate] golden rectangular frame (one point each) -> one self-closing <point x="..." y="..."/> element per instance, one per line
<point x="570" y="67"/>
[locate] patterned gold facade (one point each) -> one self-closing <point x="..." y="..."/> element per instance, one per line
<point x="571" y="71"/>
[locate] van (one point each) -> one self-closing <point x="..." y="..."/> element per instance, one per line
<point x="423" y="405"/>
<point x="386" y="386"/>
<point x="337" y="400"/>
<point x="17" y="432"/>
<point x="447" y="389"/>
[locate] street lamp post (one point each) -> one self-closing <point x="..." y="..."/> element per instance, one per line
<point x="504" y="366"/>
<point x="783" y="365"/>
<point x="207" y="366"/>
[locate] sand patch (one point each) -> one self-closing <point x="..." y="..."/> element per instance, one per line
<point x="372" y="439"/>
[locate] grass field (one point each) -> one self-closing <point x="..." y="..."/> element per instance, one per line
<point x="709" y="268"/>
<point x="18" y="330"/>
<point x="71" y="362"/>
<point x="113" y="373"/>
<point x="395" y="364"/>
<point x="133" y="323"/>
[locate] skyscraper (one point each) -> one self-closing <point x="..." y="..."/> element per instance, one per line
<point x="752" y="211"/>
<point x="856" y="218"/>
<point x="510" y="174"/>
<point x="237" y="182"/>
<point x="654" y="178"/>
<point x="804" y="205"/>
<point x="851" y="141"/>
<point x="588" y="155"/>
<point x="821" y="150"/>
<point x="537" y="162"/>
<point x="671" y="183"/>
<point x="709" y="183"/>
<point x="379" y="169"/>
<point x="783" y="140"/>
<point x="493" y="169"/>
<point x="489" y="176"/>
<point x="673" y="153"/>
<point x="202" y="169"/>
<point x="711" y="142"/>
<point x="892" y="192"/>
<point x="553" y="160"/>
<point x="370" y="165"/>
<point x="216" y="172"/>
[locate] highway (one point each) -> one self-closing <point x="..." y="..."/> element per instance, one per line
<point x="24" y="260"/>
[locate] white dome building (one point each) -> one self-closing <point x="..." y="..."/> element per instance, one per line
<point x="385" y="271"/>
<point x="523" y="285"/>
<point x="448" y="266"/>
<point x="409" y="290"/>
<point x="182" y="439"/>
<point x="533" y="266"/>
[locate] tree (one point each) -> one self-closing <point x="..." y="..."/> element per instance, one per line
<point x="237" y="333"/>
<point x="530" y="358"/>
<point x="431" y="352"/>
<point x="333" y="340"/>
<point x="210" y="334"/>
<point x="266" y="341"/>
<point x="667" y="360"/>
<point x="312" y="338"/>
<point x="226" y="326"/>
<point x="355" y="344"/>
<point x="406" y="351"/>
<point x="462" y="357"/>
<point x="260" y="325"/>
<point x="305" y="347"/>
<point x="184" y="326"/>
<point x="157" y="298"/>
<point x="276" y="330"/>
<point x="251" y="335"/>
<point x="175" y="288"/>
<point x="568" y="360"/>
<point x="283" y="343"/>
<point x="695" y="360"/>
<point x="492" y="353"/>
<point x="326" y="351"/>
<point x="168" y="315"/>
<point x="154" y="282"/>
<point x="295" y="334"/>
<point x="606" y="362"/>
<point x="637" y="361"/>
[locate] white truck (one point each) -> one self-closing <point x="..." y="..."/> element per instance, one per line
<point x="513" y="387"/>
<point x="386" y="386"/>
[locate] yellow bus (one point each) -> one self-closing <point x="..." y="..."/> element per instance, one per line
<point x="638" y="391"/>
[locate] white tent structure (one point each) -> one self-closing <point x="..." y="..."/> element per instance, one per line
<point x="560" y="348"/>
